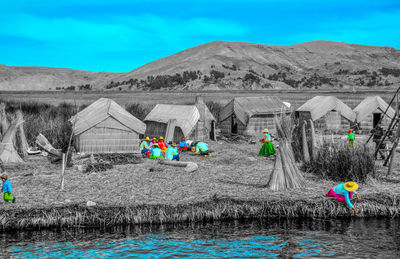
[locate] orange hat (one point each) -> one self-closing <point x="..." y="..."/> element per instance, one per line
<point x="350" y="130"/>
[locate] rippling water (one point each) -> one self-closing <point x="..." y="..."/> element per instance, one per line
<point x="256" y="239"/>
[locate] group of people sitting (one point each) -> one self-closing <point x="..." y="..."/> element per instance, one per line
<point x="157" y="148"/>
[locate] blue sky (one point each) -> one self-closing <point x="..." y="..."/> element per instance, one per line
<point x="120" y="35"/>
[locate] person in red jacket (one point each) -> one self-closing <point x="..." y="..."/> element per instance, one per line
<point x="162" y="145"/>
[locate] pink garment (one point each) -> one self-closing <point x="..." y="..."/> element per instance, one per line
<point x="338" y="197"/>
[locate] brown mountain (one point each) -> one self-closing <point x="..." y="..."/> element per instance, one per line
<point x="239" y="65"/>
<point x="47" y="78"/>
<point x="235" y="65"/>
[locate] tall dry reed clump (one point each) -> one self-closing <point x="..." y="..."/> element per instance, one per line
<point x="51" y="121"/>
<point x="215" y="108"/>
<point x="339" y="162"/>
<point x="138" y="110"/>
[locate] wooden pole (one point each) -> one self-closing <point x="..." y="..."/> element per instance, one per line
<point x="306" y="153"/>
<point x="396" y="142"/>
<point x="62" y="171"/>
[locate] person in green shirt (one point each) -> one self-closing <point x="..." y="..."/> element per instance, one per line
<point x="172" y="152"/>
<point x="350" y="138"/>
<point x="144" y="147"/>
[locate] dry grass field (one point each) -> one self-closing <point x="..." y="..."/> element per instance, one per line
<point x="228" y="173"/>
<point x="295" y="97"/>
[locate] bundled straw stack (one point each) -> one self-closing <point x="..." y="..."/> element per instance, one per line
<point x="8" y="154"/>
<point x="3" y="120"/>
<point x="22" y="144"/>
<point x="286" y="174"/>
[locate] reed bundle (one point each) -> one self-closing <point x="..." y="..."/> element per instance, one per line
<point x="45" y="144"/>
<point x="3" y="120"/>
<point x="286" y="174"/>
<point x="8" y="154"/>
<point x="22" y="143"/>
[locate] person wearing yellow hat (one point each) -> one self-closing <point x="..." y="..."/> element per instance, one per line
<point x="153" y="141"/>
<point x="144" y="147"/>
<point x="267" y="148"/>
<point x="172" y="152"/>
<point x="155" y="152"/>
<point x="162" y="145"/>
<point x="343" y="193"/>
<point x="350" y="138"/>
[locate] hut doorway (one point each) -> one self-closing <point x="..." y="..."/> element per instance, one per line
<point x="234" y="128"/>
<point x="375" y="120"/>
<point x="212" y="131"/>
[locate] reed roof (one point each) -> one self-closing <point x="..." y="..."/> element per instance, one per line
<point x="319" y="106"/>
<point x="246" y="107"/>
<point x="373" y="104"/>
<point x="101" y="110"/>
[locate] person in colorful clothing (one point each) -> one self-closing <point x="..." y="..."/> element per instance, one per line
<point x="155" y="152"/>
<point x="267" y="148"/>
<point x="183" y="146"/>
<point x="162" y="145"/>
<point x="350" y="138"/>
<point x="172" y="152"/>
<point x="200" y="148"/>
<point x="343" y="193"/>
<point x="153" y="141"/>
<point x="144" y="147"/>
<point x="6" y="188"/>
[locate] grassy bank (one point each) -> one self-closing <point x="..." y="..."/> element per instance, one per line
<point x="75" y="216"/>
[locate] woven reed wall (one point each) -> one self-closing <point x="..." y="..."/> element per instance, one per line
<point x="109" y="136"/>
<point x="155" y="129"/>
<point x="332" y="122"/>
<point x="367" y="124"/>
<point x="106" y="140"/>
<point x="226" y="126"/>
<point x="257" y="124"/>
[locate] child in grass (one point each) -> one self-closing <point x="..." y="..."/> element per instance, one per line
<point x="7" y="189"/>
<point x="350" y="138"/>
<point x="343" y="193"/>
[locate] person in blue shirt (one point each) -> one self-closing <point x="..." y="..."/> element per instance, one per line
<point x="183" y="146"/>
<point x="343" y="193"/>
<point x="155" y="152"/>
<point x="6" y="188"/>
<point x="200" y="148"/>
<point x="172" y="152"/>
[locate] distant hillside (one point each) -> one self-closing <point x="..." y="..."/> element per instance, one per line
<point x="46" y="78"/>
<point x="223" y="65"/>
<point x="238" y="65"/>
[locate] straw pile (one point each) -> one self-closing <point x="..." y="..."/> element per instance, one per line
<point x="120" y="159"/>
<point x="3" y="120"/>
<point x="8" y="154"/>
<point x="286" y="174"/>
<point x="22" y="143"/>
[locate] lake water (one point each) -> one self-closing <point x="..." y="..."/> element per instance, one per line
<point x="356" y="238"/>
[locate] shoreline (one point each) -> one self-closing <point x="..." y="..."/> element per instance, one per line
<point x="216" y="209"/>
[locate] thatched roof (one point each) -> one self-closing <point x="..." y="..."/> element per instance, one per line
<point x="186" y="116"/>
<point x="102" y="109"/>
<point x="373" y="104"/>
<point x="245" y="107"/>
<point x="319" y="106"/>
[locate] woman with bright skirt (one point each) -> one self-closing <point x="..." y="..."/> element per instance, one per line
<point x="267" y="148"/>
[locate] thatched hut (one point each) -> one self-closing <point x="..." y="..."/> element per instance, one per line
<point x="176" y="121"/>
<point x="250" y="115"/>
<point x="329" y="114"/>
<point x="369" y="113"/>
<point x="106" y="127"/>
